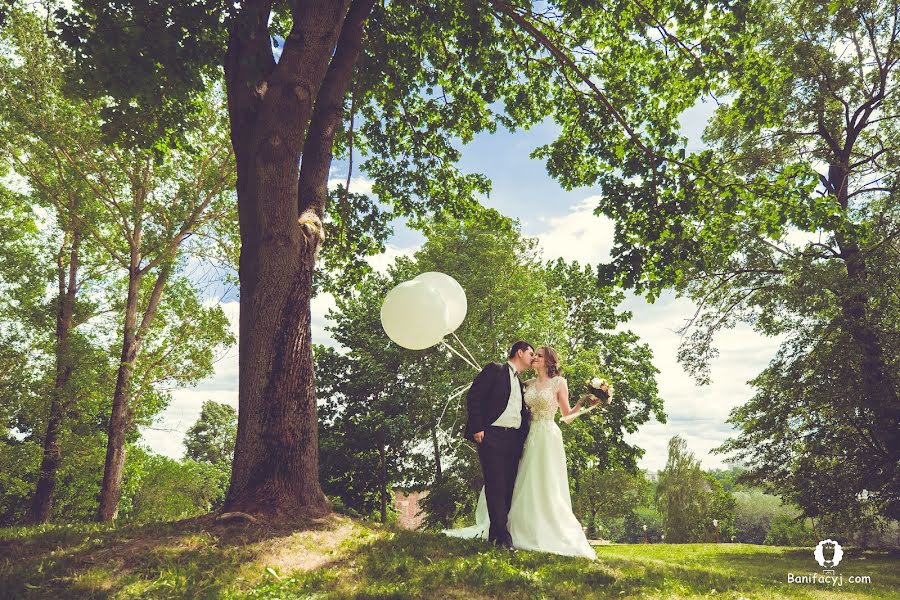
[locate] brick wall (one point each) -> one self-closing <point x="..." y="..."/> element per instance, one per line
<point x="407" y="505"/>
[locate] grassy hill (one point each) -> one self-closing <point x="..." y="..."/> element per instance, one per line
<point x="338" y="557"/>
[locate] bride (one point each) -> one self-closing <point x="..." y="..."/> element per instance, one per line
<point x="540" y="515"/>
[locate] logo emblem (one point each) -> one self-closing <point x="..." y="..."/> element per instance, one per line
<point x="829" y="547"/>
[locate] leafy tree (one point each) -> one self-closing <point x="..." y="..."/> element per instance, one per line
<point x="211" y="439"/>
<point x="63" y="257"/>
<point x="114" y="207"/>
<point x="787" y="530"/>
<point x="787" y="221"/>
<point x="683" y="494"/>
<point x="729" y="478"/>
<point x="511" y="295"/>
<point x="721" y="508"/>
<point x="631" y="530"/>
<point x="755" y="512"/>
<point x="398" y="82"/>
<point x="601" y="498"/>
<point x="481" y="253"/>
<point x="366" y="433"/>
<point x="159" y="206"/>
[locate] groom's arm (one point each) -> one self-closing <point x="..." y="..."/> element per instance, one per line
<point x="475" y="400"/>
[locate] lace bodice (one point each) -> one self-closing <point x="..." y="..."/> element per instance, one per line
<point x="541" y="399"/>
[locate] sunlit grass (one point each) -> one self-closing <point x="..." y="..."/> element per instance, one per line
<point x="339" y="557"/>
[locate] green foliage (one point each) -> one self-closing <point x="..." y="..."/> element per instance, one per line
<point x="721" y="508"/>
<point x="356" y="227"/>
<point x="631" y="529"/>
<point x="789" y="531"/>
<point x="165" y="489"/>
<point x="787" y="221"/>
<point x="385" y="415"/>
<point x="754" y="514"/>
<point x="211" y="439"/>
<point x="19" y="462"/>
<point x="180" y="349"/>
<point x="71" y="198"/>
<point x="364" y="436"/>
<point x="683" y="495"/>
<point x="822" y="469"/>
<point x="730" y="478"/>
<point x="449" y="502"/>
<point x="602" y="498"/>
<point x="148" y="71"/>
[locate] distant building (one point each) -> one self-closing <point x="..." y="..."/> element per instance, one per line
<point x="407" y="506"/>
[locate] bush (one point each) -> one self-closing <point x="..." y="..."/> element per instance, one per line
<point x="632" y="528"/>
<point x="447" y="503"/>
<point x="19" y="463"/>
<point x="789" y="531"/>
<point x="165" y="489"/>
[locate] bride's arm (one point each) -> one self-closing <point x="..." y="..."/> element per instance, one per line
<point x="562" y="397"/>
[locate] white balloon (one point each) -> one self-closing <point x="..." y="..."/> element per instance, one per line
<point x="451" y="292"/>
<point x="414" y="315"/>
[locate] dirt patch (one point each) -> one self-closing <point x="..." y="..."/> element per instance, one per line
<point x="307" y="550"/>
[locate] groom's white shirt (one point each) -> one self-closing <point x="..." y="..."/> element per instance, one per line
<point x="512" y="416"/>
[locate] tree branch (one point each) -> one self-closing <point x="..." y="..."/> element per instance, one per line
<point x="312" y="186"/>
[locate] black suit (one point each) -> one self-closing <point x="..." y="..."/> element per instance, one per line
<point x="500" y="449"/>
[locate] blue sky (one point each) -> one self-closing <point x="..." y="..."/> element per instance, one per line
<point x="565" y="226"/>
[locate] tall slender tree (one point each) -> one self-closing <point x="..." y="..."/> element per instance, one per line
<point x="32" y="147"/>
<point x="115" y="207"/>
<point x="683" y="494"/>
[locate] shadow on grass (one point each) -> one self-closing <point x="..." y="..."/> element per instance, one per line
<point x="197" y="556"/>
<point x="337" y="557"/>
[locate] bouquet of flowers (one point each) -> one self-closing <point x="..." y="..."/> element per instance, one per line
<point x="597" y="387"/>
<point x="600" y="388"/>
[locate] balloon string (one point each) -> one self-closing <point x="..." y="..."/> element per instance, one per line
<point x="464" y="348"/>
<point x="468" y="362"/>
<point x="452" y="396"/>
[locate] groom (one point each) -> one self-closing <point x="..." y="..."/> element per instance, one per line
<point x="498" y="423"/>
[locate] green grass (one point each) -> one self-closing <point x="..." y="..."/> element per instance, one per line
<point x="339" y="557"/>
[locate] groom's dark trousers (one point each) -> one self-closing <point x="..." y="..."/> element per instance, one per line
<point x="501" y="447"/>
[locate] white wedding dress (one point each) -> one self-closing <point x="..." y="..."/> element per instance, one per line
<point x="540" y="517"/>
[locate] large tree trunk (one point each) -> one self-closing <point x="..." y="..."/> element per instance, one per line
<point x="879" y="393"/>
<point x="120" y="418"/>
<point x="42" y="503"/>
<point x="279" y="113"/>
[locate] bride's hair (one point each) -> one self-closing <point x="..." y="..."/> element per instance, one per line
<point x="551" y="359"/>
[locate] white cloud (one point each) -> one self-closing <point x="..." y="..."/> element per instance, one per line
<point x="381" y="262"/>
<point x="697" y="413"/>
<point x="358" y="185"/>
<point x="694" y="120"/>
<point x="319" y="307"/>
<point x="579" y="235"/>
